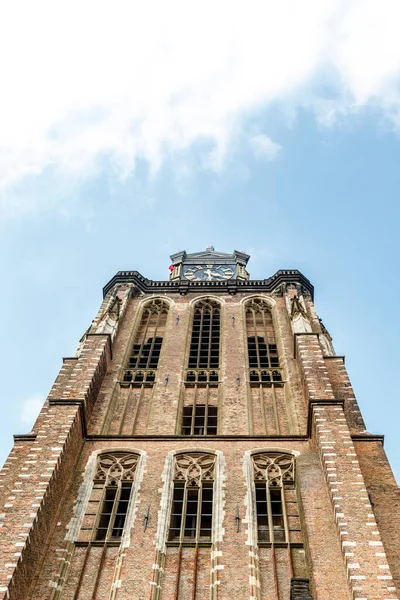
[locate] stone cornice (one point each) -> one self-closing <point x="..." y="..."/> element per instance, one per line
<point x="231" y="286"/>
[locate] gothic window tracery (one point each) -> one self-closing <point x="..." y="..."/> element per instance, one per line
<point x="192" y="504"/>
<point x="261" y="343"/>
<point x="146" y="349"/>
<point x="278" y="519"/>
<point x="112" y="488"/>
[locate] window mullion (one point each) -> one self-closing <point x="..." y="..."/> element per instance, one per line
<point x="256" y="338"/>
<point x="99" y="512"/>
<point x="200" y="337"/>
<point x="184" y="507"/>
<point x="285" y="519"/>
<point x="199" y="501"/>
<point x="206" y="410"/>
<point x="266" y="339"/>
<point x="219" y="336"/>
<point x="210" y="338"/>
<point x="114" y="511"/>
<point x="192" y="422"/>
<point x="269" y="514"/>
<point x="153" y="341"/>
<point x="144" y="335"/>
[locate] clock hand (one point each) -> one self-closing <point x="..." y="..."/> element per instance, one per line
<point x="218" y="275"/>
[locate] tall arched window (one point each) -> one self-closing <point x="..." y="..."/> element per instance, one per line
<point x="192" y="504"/>
<point x="261" y="343"/>
<point x="278" y="517"/>
<point x="275" y="535"/>
<point x="105" y="516"/>
<point x="269" y="415"/>
<point x="204" y="346"/>
<point x="146" y="349"/>
<point x="190" y="526"/>
<point x="200" y="403"/>
<point x="129" y="408"/>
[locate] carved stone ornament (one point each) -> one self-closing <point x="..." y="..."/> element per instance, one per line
<point x="297" y="307"/>
<point x="293" y="289"/>
<point x="279" y="290"/>
<point x="257" y="305"/>
<point x="297" y="310"/>
<point x="155" y="307"/>
<point x="110" y="317"/>
<point x="194" y="468"/>
<point x="300" y="324"/>
<point x="135" y="292"/>
<point x="114" y="468"/>
<point x="275" y="469"/>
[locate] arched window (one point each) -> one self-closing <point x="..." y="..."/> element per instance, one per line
<point x="278" y="519"/>
<point x="268" y="410"/>
<point x="200" y="403"/>
<point x="275" y="535"/>
<point x="261" y="343"/>
<point x="204" y="345"/>
<point x="146" y="349"/>
<point x="103" y="517"/>
<point x="192" y="504"/>
<point x="107" y="508"/>
<point x="190" y="530"/>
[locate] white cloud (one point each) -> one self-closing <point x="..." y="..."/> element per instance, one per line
<point x="263" y="147"/>
<point x="31" y="408"/>
<point x="82" y="79"/>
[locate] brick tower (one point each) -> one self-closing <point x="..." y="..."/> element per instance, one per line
<point x="204" y="442"/>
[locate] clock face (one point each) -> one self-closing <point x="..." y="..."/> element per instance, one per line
<point x="209" y="272"/>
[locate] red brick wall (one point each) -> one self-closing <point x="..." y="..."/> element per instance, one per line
<point x="42" y="476"/>
<point x="385" y="496"/>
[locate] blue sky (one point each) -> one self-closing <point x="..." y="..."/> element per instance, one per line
<point x="275" y="132"/>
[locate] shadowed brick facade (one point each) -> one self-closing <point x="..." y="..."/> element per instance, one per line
<point x="260" y="433"/>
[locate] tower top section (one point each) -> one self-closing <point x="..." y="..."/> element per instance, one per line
<point x="209" y="265"/>
<point x="212" y="271"/>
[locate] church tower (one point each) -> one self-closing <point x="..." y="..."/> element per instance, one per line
<point x="203" y="443"/>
